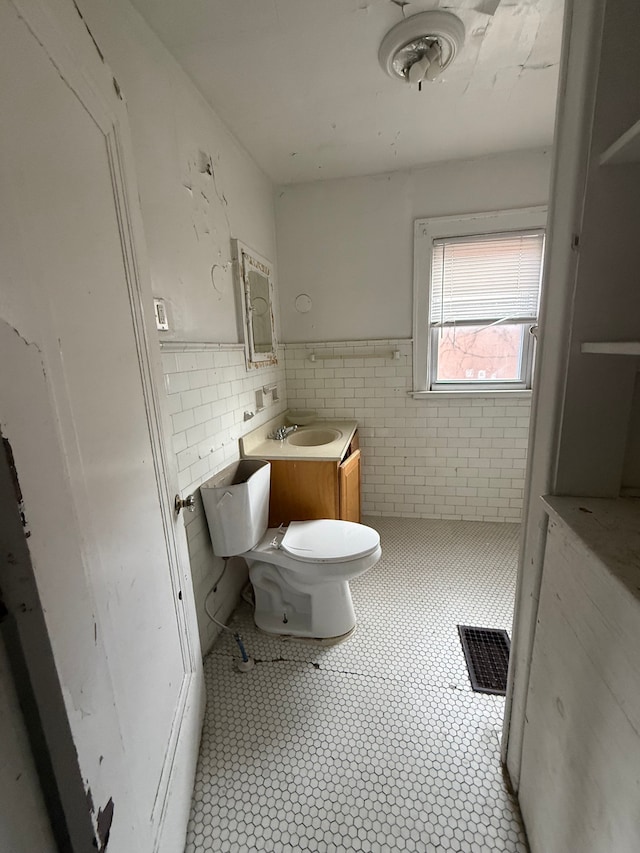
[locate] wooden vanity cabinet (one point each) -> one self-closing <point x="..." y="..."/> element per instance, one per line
<point x="306" y="489"/>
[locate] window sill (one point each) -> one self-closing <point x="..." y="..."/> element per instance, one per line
<point x="457" y="395"/>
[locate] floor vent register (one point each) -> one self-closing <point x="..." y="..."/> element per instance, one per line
<point x="487" y="653"/>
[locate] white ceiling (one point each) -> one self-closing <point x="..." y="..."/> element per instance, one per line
<point x="298" y="81"/>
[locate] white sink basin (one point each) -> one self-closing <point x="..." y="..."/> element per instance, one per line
<point x="313" y="437"/>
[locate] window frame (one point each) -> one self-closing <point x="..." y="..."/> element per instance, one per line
<point x="442" y="227"/>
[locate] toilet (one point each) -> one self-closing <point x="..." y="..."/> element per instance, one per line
<point x="300" y="574"/>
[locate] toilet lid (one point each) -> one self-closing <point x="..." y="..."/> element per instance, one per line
<point x="329" y="541"/>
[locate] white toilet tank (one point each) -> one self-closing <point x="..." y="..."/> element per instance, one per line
<point x="236" y="503"/>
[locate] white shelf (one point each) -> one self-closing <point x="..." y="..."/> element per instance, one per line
<point x="608" y="527"/>
<point x="626" y="149"/>
<point x="612" y="347"/>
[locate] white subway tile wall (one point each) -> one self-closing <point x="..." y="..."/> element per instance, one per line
<point x="208" y="392"/>
<point x="459" y="459"/>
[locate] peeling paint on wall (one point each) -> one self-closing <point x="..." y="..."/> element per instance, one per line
<point x="8" y="452"/>
<point x="90" y="801"/>
<point x="209" y="218"/>
<point x="220" y="277"/>
<point x="103" y="825"/>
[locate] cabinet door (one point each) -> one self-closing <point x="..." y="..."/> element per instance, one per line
<point x="302" y="490"/>
<point x="350" y="488"/>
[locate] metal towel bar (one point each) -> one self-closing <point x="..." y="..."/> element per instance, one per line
<point x="391" y="353"/>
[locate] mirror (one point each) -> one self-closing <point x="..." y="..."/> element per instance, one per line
<point x="255" y="282"/>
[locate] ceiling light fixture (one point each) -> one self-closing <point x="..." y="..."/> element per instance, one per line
<point x="419" y="48"/>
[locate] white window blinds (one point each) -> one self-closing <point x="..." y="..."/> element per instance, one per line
<point x="486" y="278"/>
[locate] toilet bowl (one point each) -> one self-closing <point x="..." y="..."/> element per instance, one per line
<point x="300" y="574"/>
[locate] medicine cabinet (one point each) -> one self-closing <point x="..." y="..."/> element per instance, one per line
<point x="254" y="276"/>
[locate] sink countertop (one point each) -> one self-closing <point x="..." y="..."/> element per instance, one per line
<point x="256" y="445"/>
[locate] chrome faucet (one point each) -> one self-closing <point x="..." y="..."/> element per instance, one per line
<point x="282" y="432"/>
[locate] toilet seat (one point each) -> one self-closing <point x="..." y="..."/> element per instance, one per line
<point x="318" y="551"/>
<point x="329" y="541"/>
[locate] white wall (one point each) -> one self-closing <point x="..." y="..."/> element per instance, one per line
<point x="189" y="216"/>
<point x="348" y="243"/>
<point x="189" y="219"/>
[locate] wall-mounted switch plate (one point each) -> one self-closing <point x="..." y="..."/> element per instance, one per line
<point x="160" y="310"/>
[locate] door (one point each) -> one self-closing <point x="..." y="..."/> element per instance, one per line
<point x="79" y="408"/>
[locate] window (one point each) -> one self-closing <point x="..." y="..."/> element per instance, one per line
<point x="476" y="294"/>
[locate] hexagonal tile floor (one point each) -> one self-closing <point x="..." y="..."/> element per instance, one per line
<point x="378" y="744"/>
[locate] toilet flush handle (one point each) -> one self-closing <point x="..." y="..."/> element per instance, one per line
<point x="188" y="503"/>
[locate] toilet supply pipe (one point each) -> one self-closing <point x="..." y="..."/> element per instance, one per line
<point x="220" y="576"/>
<point x="246" y="663"/>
